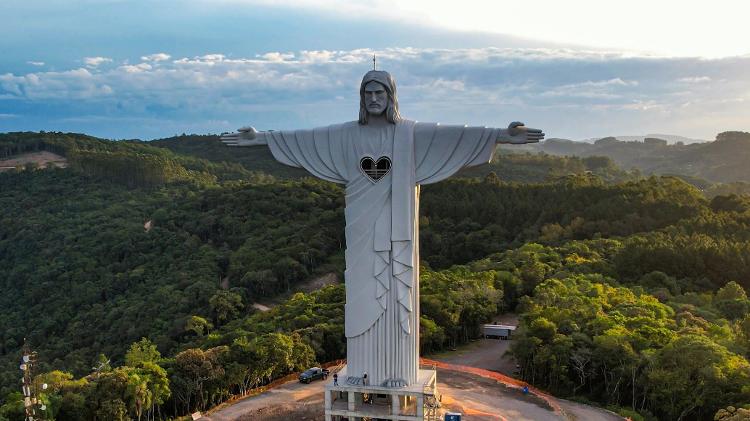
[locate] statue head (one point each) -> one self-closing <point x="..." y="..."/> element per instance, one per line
<point x="377" y="95"/>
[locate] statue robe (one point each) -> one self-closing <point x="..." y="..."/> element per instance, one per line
<point x="382" y="236"/>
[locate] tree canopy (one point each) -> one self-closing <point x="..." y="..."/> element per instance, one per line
<point x="135" y="273"/>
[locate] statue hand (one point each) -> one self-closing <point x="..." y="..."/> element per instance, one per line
<point x="246" y="136"/>
<point x="518" y="134"/>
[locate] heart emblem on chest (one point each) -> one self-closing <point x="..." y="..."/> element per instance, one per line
<point x="375" y="170"/>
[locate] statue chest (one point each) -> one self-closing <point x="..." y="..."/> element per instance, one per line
<point x="372" y="154"/>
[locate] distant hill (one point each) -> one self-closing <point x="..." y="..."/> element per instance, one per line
<point x="724" y="160"/>
<point x="209" y="147"/>
<point x="670" y="138"/>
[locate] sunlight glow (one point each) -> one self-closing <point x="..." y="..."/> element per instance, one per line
<point x="666" y="27"/>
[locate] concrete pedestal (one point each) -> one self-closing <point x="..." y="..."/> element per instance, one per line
<point x="417" y="402"/>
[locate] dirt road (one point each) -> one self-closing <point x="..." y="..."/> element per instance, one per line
<point x="289" y="397"/>
<point x="477" y="391"/>
<point x="490" y="354"/>
<point x="478" y="398"/>
<point x="483" y="399"/>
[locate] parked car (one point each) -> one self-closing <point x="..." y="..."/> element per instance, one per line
<point x="314" y="373"/>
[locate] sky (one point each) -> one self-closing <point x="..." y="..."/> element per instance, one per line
<point x="577" y="69"/>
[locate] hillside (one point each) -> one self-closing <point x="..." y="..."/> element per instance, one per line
<point x="210" y="148"/>
<point x="670" y="138"/>
<point x="42" y="159"/>
<point x="721" y="161"/>
<point x="598" y="262"/>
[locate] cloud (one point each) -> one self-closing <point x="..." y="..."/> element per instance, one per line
<point x="36" y="88"/>
<point x="603" y="89"/>
<point x="694" y="79"/>
<point x="35" y="63"/>
<point x="667" y="27"/>
<point x="575" y="93"/>
<point x="276" y="56"/>
<point x="156" y="57"/>
<point x="138" y="68"/>
<point x="95" y="61"/>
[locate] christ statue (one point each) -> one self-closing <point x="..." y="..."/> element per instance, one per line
<point x="383" y="159"/>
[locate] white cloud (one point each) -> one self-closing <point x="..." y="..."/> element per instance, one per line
<point x="156" y="57"/>
<point x="694" y="79"/>
<point x="95" y="61"/>
<point x="212" y="57"/>
<point x="602" y="89"/>
<point x="76" y="84"/>
<point x="138" y="68"/>
<point x="667" y="27"/>
<point x="554" y="88"/>
<point x="35" y="63"/>
<point x="317" y="56"/>
<point x="276" y="56"/>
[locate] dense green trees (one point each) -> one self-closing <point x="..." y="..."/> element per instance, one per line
<point x="454" y="303"/>
<point x="617" y="279"/>
<point x="466" y="220"/>
<point x="582" y="333"/>
<point x="81" y="276"/>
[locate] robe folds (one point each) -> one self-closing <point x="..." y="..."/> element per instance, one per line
<point x="382" y="235"/>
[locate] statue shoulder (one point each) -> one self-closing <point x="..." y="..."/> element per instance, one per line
<point x="407" y="121"/>
<point x="348" y="125"/>
<point x="424" y="126"/>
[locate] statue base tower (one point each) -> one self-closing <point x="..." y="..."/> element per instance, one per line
<point x="417" y="402"/>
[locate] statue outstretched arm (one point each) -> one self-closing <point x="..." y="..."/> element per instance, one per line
<point x="517" y="133"/>
<point x="246" y="136"/>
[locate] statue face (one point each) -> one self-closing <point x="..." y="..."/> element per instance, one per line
<point x="376" y="98"/>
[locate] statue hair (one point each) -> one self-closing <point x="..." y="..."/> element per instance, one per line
<point x="391" y="110"/>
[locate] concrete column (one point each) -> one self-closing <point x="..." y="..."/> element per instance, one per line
<point x="329" y="417"/>
<point x="420" y="406"/>
<point x="328" y="399"/>
<point x="395" y="405"/>
<point x="352" y="404"/>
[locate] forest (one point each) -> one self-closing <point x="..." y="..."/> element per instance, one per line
<point x="133" y="272"/>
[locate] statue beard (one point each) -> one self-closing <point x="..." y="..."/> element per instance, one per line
<point x="391" y="110"/>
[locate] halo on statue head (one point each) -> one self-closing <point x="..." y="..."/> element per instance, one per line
<point x="389" y="83"/>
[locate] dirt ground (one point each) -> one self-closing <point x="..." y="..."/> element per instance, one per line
<point x="482" y="399"/>
<point x="44" y="159"/>
<point x="290" y="401"/>
<point x="488" y="354"/>
<point x="477" y="398"/>
<point x="480" y="395"/>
